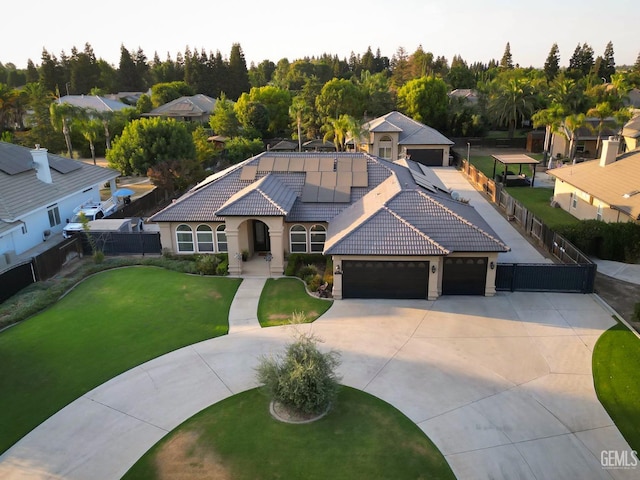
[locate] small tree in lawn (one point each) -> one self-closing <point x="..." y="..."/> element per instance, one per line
<point x="303" y="380"/>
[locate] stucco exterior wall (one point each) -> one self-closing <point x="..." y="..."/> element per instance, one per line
<point x="586" y="206"/>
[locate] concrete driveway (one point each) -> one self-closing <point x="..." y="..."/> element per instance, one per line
<point x="502" y="385"/>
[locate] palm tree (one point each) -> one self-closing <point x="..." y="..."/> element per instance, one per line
<point x="512" y="101"/>
<point x="90" y="128"/>
<point x="603" y="112"/>
<point x="62" y="115"/>
<point x="551" y="119"/>
<point x="572" y="124"/>
<point x="337" y="129"/>
<point x="297" y="110"/>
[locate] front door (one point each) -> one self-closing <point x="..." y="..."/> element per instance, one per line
<point x="261" y="237"/>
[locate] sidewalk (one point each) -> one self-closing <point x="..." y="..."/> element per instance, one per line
<point x="243" y="313"/>
<point x="627" y="272"/>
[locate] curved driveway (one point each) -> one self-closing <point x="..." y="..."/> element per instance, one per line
<point x="502" y="385"/>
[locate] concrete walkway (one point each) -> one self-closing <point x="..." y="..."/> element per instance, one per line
<point x="243" y="313"/>
<point x="521" y="250"/>
<point x="502" y="385"/>
<point x="622" y="271"/>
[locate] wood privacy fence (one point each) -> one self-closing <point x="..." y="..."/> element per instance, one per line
<point x="544" y="278"/>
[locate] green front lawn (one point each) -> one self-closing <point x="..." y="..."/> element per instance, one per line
<point x="616" y="363"/>
<point x="361" y="437"/>
<point x="283" y="297"/>
<point x="538" y="201"/>
<point x="108" y="324"/>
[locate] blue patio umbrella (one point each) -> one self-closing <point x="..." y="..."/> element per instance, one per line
<point x="123" y="192"/>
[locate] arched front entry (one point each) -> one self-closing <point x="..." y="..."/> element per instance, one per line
<point x="261" y="240"/>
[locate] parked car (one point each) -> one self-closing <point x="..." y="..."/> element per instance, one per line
<point x="92" y="211"/>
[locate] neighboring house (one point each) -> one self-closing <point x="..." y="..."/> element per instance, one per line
<point x="586" y="138"/>
<point x="631" y="133"/>
<point x="393" y="229"/>
<point x="394" y="136"/>
<point x="197" y="108"/>
<point x="94" y="102"/>
<point x="607" y="189"/>
<point x="38" y="193"/>
<point x="467" y="94"/>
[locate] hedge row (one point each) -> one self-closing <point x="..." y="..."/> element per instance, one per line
<point x="619" y="242"/>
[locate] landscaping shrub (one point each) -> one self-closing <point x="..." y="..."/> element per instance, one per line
<point x="609" y="241"/>
<point x="207" y="264"/>
<point x="303" y="379"/>
<point x="223" y="267"/>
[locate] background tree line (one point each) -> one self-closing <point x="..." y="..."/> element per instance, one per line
<point x="313" y="97"/>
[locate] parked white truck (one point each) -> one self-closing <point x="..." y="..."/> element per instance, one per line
<point x="92" y="211"/>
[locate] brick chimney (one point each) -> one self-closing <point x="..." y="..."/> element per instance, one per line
<point x="609" y="151"/>
<point x="41" y="164"/>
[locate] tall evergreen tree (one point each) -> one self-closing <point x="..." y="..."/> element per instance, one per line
<point x="636" y="66"/>
<point x="85" y="72"/>
<point x="608" y="65"/>
<point x="127" y="72"/>
<point x="238" y="73"/>
<point x="507" y="60"/>
<point x="552" y="64"/>
<point x="32" y="72"/>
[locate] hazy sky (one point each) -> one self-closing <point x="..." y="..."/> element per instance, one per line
<point x="477" y="30"/>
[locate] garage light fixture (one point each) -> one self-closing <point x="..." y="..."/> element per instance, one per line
<point x="338" y="270"/>
<point x="492" y="265"/>
<point x="433" y="269"/>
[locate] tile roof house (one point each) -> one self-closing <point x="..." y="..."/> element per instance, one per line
<point x="38" y="193"/>
<point x="606" y="189"/>
<point x="631" y="132"/>
<point x="197" y="108"/>
<point x="395" y="136"/>
<point x="586" y="138"/>
<point x="94" y="102"/>
<point x="392" y="229"/>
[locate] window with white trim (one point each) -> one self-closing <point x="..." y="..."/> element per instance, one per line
<point x="54" y="215"/>
<point x="318" y="234"/>
<point x="599" y="212"/>
<point x="221" y="238"/>
<point x="298" y="239"/>
<point x="184" y="235"/>
<point x="204" y="236"/>
<point x="384" y="147"/>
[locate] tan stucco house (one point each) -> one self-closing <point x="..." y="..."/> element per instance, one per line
<point x="605" y="189"/>
<point x="392" y="229"/>
<point x="196" y="108"/>
<point x="394" y="136"/>
<point x="585" y="138"/>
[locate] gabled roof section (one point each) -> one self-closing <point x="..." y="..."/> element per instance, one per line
<point x="21" y="192"/>
<point x="392" y="220"/>
<point x="610" y="183"/>
<point x="265" y="197"/>
<point x="194" y="106"/>
<point x="94" y="102"/>
<point x="632" y="128"/>
<point x="410" y="131"/>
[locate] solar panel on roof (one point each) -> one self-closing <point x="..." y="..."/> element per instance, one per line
<point x="13" y="166"/>
<point x="310" y="193"/>
<point x="423" y="182"/>
<point x="326" y="164"/>
<point x="311" y="164"/>
<point x="64" y="165"/>
<point x="360" y="179"/>
<point x="342" y="194"/>
<point x="344" y="178"/>
<point x="313" y="178"/>
<point x="359" y="165"/>
<point x="325" y="194"/>
<point x="328" y="179"/>
<point x="296" y="165"/>
<point x="249" y="172"/>
<point x="344" y="165"/>
<point x="281" y="164"/>
<point x="266" y="164"/>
